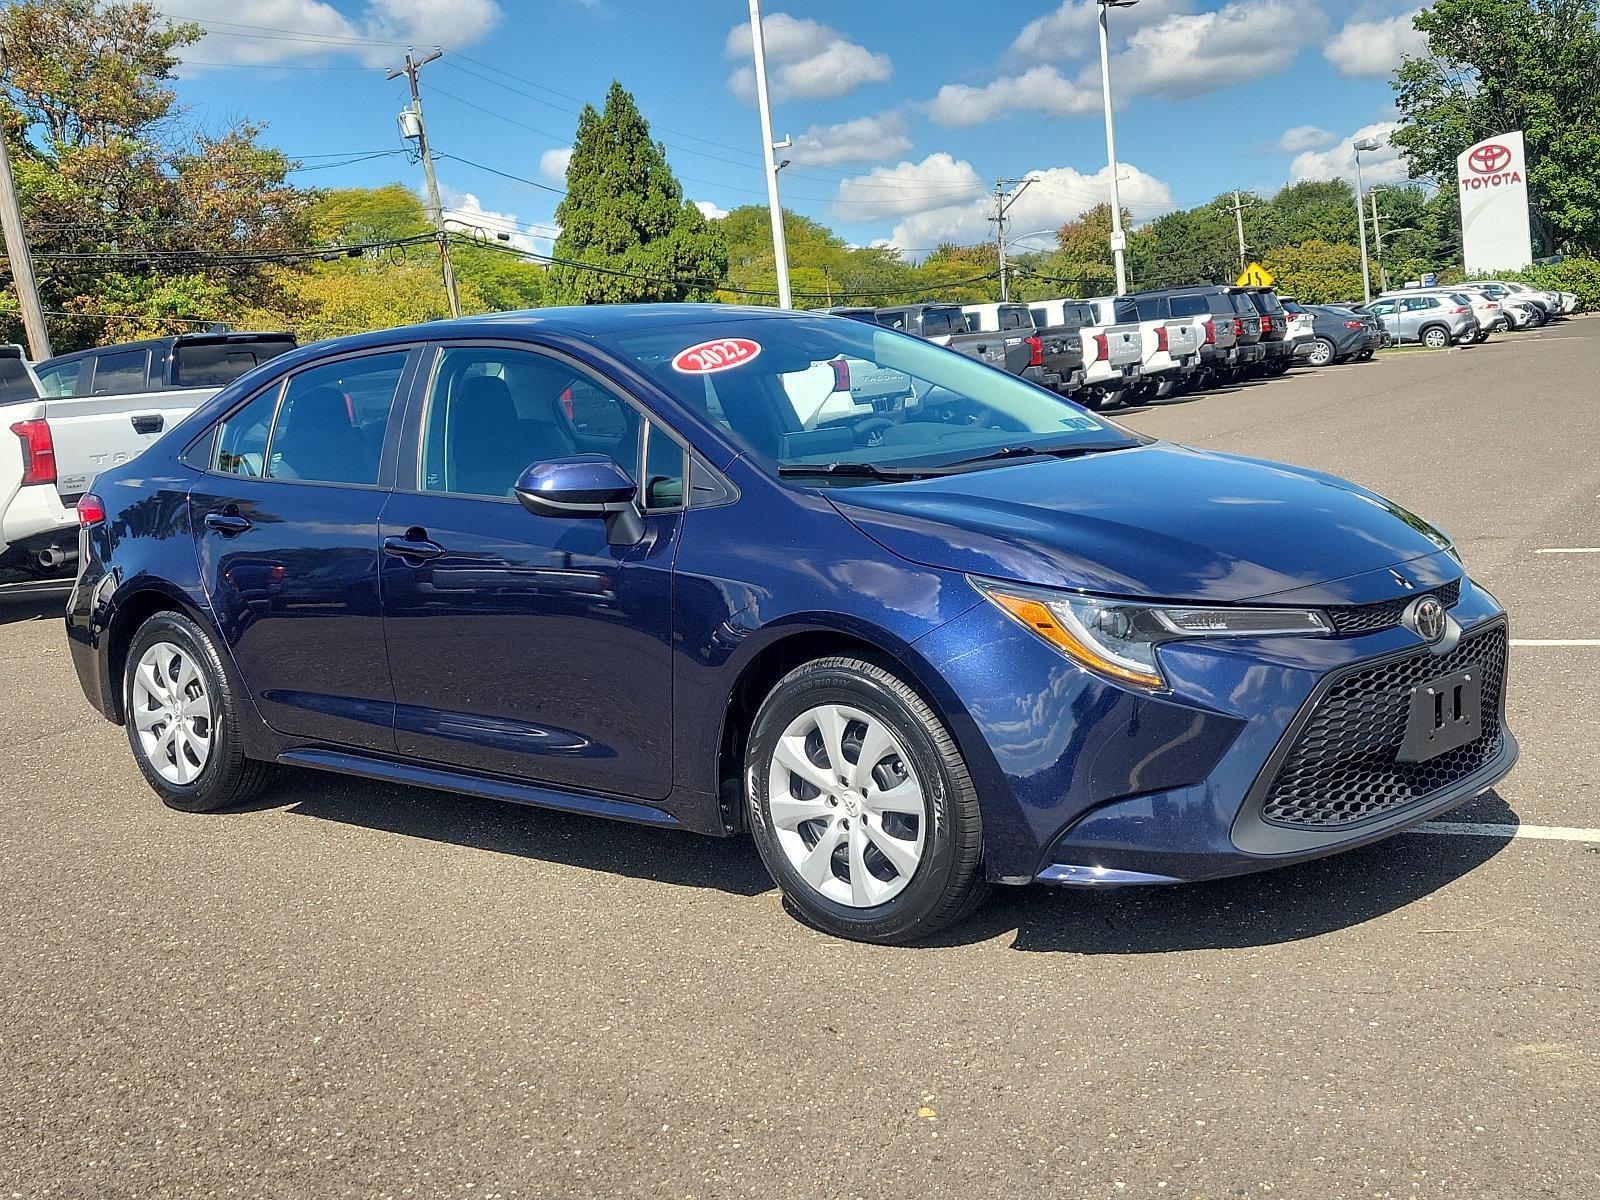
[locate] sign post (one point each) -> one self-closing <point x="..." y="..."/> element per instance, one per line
<point x="1493" y="178"/>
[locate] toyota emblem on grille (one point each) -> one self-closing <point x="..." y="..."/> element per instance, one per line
<point x="1425" y="618"/>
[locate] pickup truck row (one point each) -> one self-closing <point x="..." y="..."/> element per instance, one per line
<point x="1110" y="350"/>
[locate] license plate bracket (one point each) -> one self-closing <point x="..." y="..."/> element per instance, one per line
<point x="1444" y="713"/>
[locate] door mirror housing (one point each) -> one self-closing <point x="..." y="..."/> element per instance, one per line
<point x="584" y="485"/>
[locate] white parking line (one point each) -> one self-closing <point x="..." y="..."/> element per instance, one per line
<point x="1555" y="641"/>
<point x="1544" y="833"/>
<point x="1568" y="550"/>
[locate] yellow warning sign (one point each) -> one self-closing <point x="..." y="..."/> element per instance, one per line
<point x="1255" y="275"/>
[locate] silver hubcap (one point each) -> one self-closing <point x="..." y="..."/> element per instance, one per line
<point x="1321" y="354"/>
<point x="846" y="805"/>
<point x="171" y="712"/>
<point x="1434" y="339"/>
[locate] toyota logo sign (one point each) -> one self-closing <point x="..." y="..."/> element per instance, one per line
<point x="1425" y="617"/>
<point x="1489" y="158"/>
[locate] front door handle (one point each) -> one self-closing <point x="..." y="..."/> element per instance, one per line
<point x="419" y="548"/>
<point x="148" y="423"/>
<point x="228" y="524"/>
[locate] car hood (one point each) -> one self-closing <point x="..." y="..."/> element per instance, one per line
<point x="1158" y="521"/>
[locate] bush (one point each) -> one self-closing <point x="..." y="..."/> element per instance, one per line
<point x="1579" y="275"/>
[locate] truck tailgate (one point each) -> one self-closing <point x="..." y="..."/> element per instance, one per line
<point x="1124" y="344"/>
<point x="92" y="433"/>
<point x="1183" y="338"/>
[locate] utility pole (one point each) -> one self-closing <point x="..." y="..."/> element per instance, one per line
<point x="1238" y="221"/>
<point x="780" y="244"/>
<point x="21" y="261"/>
<point x="1119" y="240"/>
<point x="1003" y="201"/>
<point x="413" y="129"/>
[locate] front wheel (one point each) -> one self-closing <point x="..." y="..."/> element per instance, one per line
<point x="181" y="719"/>
<point x="1435" y="337"/>
<point x="861" y="805"/>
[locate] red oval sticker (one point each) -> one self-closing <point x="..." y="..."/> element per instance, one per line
<point x="707" y="358"/>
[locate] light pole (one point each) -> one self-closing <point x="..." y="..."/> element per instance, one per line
<point x="780" y="246"/>
<point x="1359" y="145"/>
<point x="1119" y="240"/>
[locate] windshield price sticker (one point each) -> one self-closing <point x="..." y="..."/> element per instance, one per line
<point x="707" y="358"/>
<point x="1081" y="424"/>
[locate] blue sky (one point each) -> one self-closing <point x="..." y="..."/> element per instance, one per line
<point x="903" y="114"/>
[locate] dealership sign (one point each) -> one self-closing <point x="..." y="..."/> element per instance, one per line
<point x="1493" y="177"/>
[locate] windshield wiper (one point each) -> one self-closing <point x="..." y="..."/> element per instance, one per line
<point x="864" y="470"/>
<point x="1033" y="452"/>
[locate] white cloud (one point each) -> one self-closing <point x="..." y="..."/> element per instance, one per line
<point x="553" y="163"/>
<point x="1039" y="89"/>
<point x="942" y="199"/>
<point x="1305" y="137"/>
<point x="861" y="140"/>
<point x="1170" y="52"/>
<point x="1383" y="165"/>
<point x="1191" y="53"/>
<point x="1070" y="31"/>
<point x="465" y="212"/>
<point x="806" y="60"/>
<point x="905" y="188"/>
<point x="710" y="210"/>
<point x="292" y="30"/>
<point x="1372" y="48"/>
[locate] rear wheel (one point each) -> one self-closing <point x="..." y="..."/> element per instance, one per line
<point x="181" y="719"/>
<point x="1435" y="337"/>
<point x="1322" y="352"/>
<point x="861" y="805"/>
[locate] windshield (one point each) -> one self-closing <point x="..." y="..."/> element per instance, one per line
<point x="807" y="392"/>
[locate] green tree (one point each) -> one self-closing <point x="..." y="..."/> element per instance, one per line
<point x="624" y="214"/>
<point x="1499" y="65"/>
<point x="134" y="221"/>
<point x="1317" y="272"/>
<point x="1195" y="245"/>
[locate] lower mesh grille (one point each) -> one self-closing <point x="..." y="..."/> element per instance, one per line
<point x="1341" y="767"/>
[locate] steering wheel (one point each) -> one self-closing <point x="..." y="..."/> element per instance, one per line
<point x="870" y="431"/>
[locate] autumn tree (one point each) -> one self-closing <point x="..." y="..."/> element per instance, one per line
<point x="134" y="220"/>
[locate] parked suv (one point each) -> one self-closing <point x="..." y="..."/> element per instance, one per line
<point x="1211" y="313"/>
<point x="1275" y="338"/>
<point x="1434" y="320"/>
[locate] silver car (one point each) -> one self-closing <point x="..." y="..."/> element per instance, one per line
<point x="1434" y="320"/>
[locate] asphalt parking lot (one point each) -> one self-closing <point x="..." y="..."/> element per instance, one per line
<point x="353" y="989"/>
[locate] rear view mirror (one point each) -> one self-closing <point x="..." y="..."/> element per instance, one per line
<point x="584" y="485"/>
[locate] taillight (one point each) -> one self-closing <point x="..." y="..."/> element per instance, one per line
<point x="1266" y="324"/>
<point x="90" y="510"/>
<point x="841" y="375"/>
<point x="1211" y="333"/>
<point x="38" y="452"/>
<point x="1238" y="328"/>
<point x="1354" y="325"/>
<point x="1102" y="347"/>
<point x="1460" y="310"/>
<point x="1036" y="344"/>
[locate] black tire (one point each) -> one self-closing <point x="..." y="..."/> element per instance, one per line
<point x="1323" y="353"/>
<point x="228" y="778"/>
<point x="1434" y="337"/>
<point x="948" y="883"/>
<point x="1365" y="356"/>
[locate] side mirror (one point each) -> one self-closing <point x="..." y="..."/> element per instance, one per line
<point x="584" y="485"/>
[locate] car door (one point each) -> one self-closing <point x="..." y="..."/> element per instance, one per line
<point x="1387" y="313"/>
<point x="527" y="645"/>
<point x="286" y="521"/>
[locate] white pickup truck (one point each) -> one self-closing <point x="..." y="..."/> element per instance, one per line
<point x="1113" y="346"/>
<point x="94" y="409"/>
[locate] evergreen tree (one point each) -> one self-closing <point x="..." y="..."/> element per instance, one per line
<point x="624" y="212"/>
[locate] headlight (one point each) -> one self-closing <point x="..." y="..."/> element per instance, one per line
<point x="1119" y="638"/>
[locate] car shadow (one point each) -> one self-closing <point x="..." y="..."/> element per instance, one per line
<point x="1262" y="909"/>
<point x="592" y="843"/>
<point x="33" y="601"/>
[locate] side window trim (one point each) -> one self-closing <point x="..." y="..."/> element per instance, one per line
<point x="397" y="409"/>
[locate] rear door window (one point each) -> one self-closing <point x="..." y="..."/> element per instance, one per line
<point x="121" y="371"/>
<point x="61" y="379"/>
<point x="331" y="424"/>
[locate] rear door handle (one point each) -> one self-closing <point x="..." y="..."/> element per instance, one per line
<point x="419" y="548"/>
<point x="148" y="423"/>
<point x="228" y="524"/>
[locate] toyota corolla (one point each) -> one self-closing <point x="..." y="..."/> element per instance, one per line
<point x="915" y="625"/>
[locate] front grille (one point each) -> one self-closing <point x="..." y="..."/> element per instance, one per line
<point x="1341" y="767"/>
<point x="1385" y="614"/>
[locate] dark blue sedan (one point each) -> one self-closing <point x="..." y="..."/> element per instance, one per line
<point x="915" y="625"/>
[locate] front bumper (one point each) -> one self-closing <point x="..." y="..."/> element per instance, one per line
<point x="1086" y="782"/>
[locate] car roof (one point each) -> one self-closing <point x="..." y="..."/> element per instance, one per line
<point x="168" y="342"/>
